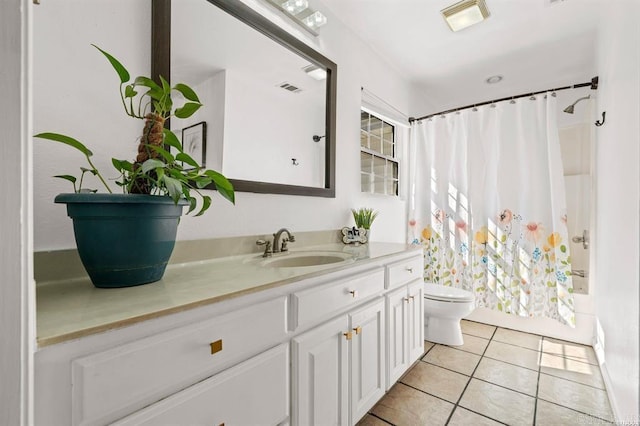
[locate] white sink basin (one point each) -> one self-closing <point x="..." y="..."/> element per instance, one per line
<point x="308" y="259"/>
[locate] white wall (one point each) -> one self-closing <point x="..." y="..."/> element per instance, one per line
<point x="75" y="92"/>
<point x="66" y="69"/>
<point x="256" y="145"/>
<point x="617" y="192"/>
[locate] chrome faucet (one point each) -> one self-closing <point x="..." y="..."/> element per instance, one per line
<point x="281" y="247"/>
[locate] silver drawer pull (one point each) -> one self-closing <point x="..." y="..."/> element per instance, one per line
<point x="354" y="293"/>
<point x="410" y="270"/>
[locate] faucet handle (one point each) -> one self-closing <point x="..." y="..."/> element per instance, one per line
<point x="292" y="239"/>
<point x="267" y="247"/>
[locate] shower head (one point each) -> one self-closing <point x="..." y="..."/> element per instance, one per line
<point x="569" y="109"/>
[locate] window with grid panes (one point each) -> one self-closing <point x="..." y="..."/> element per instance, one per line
<point x="378" y="163"/>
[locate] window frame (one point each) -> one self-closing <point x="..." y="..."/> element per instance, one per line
<point x="388" y="182"/>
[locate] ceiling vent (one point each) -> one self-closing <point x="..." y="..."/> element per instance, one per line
<point x="290" y="87"/>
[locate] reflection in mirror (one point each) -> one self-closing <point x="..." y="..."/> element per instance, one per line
<point x="263" y="102"/>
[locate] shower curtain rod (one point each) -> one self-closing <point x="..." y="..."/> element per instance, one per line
<point x="593" y="83"/>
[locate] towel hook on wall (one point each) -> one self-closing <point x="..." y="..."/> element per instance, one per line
<point x="600" y="123"/>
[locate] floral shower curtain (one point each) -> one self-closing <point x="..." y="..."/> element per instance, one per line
<point x="488" y="206"/>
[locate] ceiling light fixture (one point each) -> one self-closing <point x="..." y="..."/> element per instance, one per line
<point x="315" y="72"/>
<point x="315" y="20"/>
<point x="295" y="6"/>
<point x="465" y="13"/>
<point x="494" y="79"/>
<point x="301" y="12"/>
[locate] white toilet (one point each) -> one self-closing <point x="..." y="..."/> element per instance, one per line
<point x="444" y="307"/>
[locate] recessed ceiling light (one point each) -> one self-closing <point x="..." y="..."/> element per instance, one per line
<point x="494" y="79"/>
<point x="465" y="13"/>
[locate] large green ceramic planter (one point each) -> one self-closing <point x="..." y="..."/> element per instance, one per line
<point x="123" y="240"/>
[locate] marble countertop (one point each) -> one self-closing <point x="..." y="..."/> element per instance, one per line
<point x="69" y="309"/>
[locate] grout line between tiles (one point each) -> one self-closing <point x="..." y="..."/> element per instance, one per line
<point x="457" y="404"/>
<point x="535" y="401"/>
<point x="504" y="387"/>
<point x="510" y="363"/>
<point x="572" y="381"/>
<point x="577" y="411"/>
<point x="426" y="393"/>
<point x="380" y="418"/>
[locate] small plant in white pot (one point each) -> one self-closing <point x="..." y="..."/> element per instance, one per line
<point x="364" y="218"/>
<point x="126" y="239"/>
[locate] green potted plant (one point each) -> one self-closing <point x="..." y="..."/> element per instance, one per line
<point x="364" y="218"/>
<point x="126" y="239"/>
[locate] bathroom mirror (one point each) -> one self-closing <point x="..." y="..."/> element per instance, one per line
<point x="270" y="125"/>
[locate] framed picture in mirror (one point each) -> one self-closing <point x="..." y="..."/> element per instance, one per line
<point x="194" y="142"/>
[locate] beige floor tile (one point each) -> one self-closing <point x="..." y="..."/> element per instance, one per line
<point x="428" y="345"/>
<point x="407" y="406"/>
<point x="453" y="359"/>
<point x="498" y="403"/>
<point x="462" y="417"/>
<point x="518" y="338"/>
<point x="473" y="344"/>
<point x="436" y="381"/>
<point x="576" y="396"/>
<point x="477" y="329"/>
<point x="569" y="350"/>
<point x="569" y="369"/>
<point x="522" y="357"/>
<point x="369" y="420"/>
<point x="510" y="376"/>
<point x="552" y="414"/>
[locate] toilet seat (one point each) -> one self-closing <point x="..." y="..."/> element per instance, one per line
<point x="447" y="294"/>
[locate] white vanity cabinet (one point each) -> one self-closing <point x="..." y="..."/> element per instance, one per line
<point x="255" y="392"/>
<point x="321" y="349"/>
<point x="223" y="354"/>
<point x="405" y="317"/>
<point x="338" y="368"/>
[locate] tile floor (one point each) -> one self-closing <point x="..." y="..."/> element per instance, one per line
<point x="498" y="376"/>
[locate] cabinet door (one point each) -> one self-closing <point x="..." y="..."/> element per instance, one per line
<point x="254" y="392"/>
<point x="415" y="311"/>
<point x="367" y="358"/>
<point x="320" y="385"/>
<point x="397" y="357"/>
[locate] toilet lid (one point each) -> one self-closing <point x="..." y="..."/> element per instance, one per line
<point x="447" y="294"/>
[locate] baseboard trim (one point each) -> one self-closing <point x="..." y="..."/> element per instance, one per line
<point x="608" y="385"/>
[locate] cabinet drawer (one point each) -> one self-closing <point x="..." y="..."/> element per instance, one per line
<point x="255" y="392"/>
<point x="318" y="303"/>
<point x="111" y="384"/>
<point x="405" y="271"/>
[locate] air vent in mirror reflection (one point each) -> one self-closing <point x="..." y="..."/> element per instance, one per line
<point x="290" y="87"/>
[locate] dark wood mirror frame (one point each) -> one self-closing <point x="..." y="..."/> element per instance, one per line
<point x="161" y="65"/>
